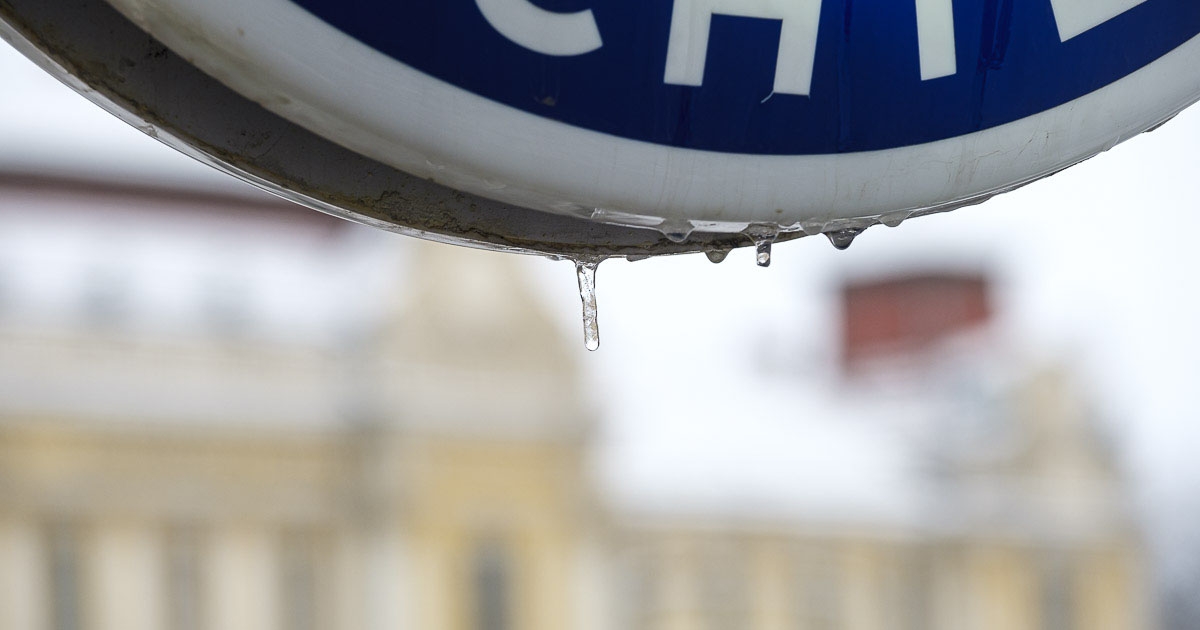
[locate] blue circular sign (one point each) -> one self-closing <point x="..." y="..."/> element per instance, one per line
<point x="795" y="77"/>
<point x="710" y="115"/>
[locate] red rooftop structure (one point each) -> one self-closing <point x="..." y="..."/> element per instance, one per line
<point x="906" y="315"/>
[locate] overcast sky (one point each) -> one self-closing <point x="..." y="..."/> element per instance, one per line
<point x="1095" y="267"/>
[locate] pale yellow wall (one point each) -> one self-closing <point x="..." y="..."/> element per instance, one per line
<point x="949" y="588"/>
<point x="864" y="570"/>
<point x="1105" y="592"/>
<point x="771" y="598"/>
<point x="1003" y="589"/>
<point x="410" y="567"/>
<point x="523" y="496"/>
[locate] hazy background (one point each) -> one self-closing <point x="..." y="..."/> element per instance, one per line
<point x="716" y="387"/>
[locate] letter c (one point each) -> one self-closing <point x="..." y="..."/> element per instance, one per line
<point x="539" y="30"/>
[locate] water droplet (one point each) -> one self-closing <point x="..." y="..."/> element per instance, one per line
<point x="716" y="256"/>
<point x="585" y="271"/>
<point x="894" y="219"/>
<point x="762" y="253"/>
<point x="843" y="239"/>
<point x="676" y="231"/>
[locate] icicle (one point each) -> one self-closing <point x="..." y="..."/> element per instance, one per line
<point x="585" y="270"/>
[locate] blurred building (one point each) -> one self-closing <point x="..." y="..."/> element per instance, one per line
<point x="185" y="445"/>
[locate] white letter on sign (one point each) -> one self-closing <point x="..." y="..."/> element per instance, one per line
<point x="1075" y="17"/>
<point x="539" y="30"/>
<point x="688" y="45"/>
<point x="935" y="37"/>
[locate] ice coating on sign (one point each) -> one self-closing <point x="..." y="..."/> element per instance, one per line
<point x="585" y="271"/>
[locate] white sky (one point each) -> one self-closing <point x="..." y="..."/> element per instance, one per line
<point x="1097" y="266"/>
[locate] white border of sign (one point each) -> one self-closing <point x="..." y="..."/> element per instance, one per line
<point x="306" y="71"/>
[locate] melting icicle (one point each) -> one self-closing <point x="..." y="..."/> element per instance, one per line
<point x="763" y="252"/>
<point x="585" y="270"/>
<point x="763" y="236"/>
<point x="716" y="256"/>
<point x="843" y="239"/>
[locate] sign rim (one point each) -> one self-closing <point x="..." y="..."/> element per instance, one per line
<point x="104" y="57"/>
<point x="437" y="131"/>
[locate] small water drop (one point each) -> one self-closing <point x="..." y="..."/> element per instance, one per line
<point x="763" y="253"/>
<point x="894" y="219"/>
<point x="843" y="239"/>
<point x="676" y="231"/>
<point x="716" y="256"/>
<point x="585" y="271"/>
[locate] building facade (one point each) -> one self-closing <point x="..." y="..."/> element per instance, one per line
<point x="429" y="467"/>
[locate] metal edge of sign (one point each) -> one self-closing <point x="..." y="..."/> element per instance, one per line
<point x="100" y="54"/>
<point x="551" y="166"/>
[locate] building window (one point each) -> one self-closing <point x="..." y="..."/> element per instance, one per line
<point x="637" y="587"/>
<point x="184" y="587"/>
<point x="492" y="583"/>
<point x="302" y="595"/>
<point x="1057" y="602"/>
<point x="65" y="573"/>
<point x="724" y="599"/>
<point x="914" y="589"/>
<point x="819" y="592"/>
